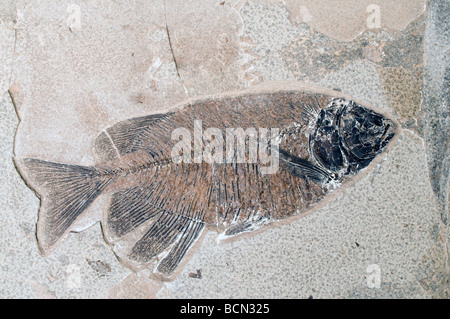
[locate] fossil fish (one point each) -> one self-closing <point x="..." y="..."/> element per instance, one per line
<point x="160" y="201"/>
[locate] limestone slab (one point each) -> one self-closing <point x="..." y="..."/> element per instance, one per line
<point x="73" y="68"/>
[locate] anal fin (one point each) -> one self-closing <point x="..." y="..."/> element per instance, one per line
<point x="129" y="209"/>
<point x="182" y="245"/>
<point x="169" y="238"/>
<point x="157" y="222"/>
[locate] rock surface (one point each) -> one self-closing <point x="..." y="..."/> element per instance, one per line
<point x="71" y="68"/>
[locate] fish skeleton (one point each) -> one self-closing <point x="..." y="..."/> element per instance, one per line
<point x="163" y="192"/>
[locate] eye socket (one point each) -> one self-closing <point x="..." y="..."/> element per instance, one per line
<point x="378" y="121"/>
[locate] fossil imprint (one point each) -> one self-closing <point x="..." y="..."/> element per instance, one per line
<point x="160" y="201"/>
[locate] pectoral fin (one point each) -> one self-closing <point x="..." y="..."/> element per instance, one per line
<point x="303" y="168"/>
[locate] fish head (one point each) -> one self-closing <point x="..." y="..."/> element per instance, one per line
<point x="348" y="136"/>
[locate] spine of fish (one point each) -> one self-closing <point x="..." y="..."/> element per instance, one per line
<point x="66" y="191"/>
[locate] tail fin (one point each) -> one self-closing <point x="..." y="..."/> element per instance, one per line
<point x="65" y="190"/>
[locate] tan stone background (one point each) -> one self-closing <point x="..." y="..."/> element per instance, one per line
<point x="68" y="69"/>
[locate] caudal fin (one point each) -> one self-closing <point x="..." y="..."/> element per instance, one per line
<point x="65" y="190"/>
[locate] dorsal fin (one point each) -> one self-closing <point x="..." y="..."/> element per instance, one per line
<point x="152" y="134"/>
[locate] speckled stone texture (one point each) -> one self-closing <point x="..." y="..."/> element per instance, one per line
<point x="68" y="69"/>
<point x="435" y="111"/>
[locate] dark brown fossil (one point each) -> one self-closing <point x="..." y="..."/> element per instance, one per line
<point x="158" y="209"/>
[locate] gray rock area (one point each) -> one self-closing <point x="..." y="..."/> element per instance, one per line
<point x="69" y="69"/>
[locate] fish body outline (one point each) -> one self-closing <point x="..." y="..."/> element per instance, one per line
<point x="157" y="210"/>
